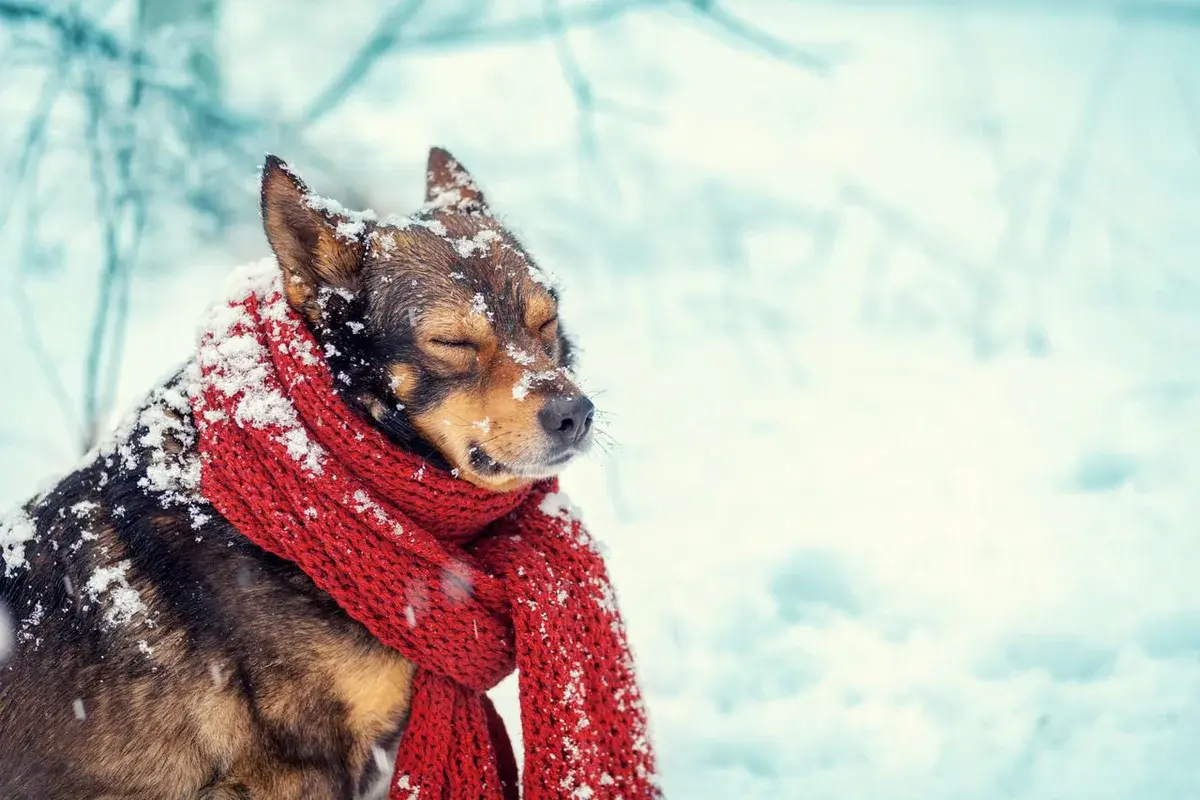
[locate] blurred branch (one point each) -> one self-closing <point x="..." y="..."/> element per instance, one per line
<point x="121" y="210"/>
<point x="898" y="226"/>
<point x="1176" y="13"/>
<point x="25" y="172"/>
<point x="40" y="355"/>
<point x="756" y="38"/>
<point x="132" y="201"/>
<point x="389" y="36"/>
<point x="1191" y="112"/>
<point x="72" y="27"/>
<point x="1075" y="162"/>
<point x="582" y="90"/>
<point x="577" y="80"/>
<point x="528" y="27"/>
<point x="33" y="142"/>
<point x="387" y="39"/>
<point x="381" y="40"/>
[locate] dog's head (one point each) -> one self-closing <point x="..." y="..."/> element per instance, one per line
<point x="438" y="328"/>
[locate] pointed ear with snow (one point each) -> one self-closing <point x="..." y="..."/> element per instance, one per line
<point x="316" y="242"/>
<point x="449" y="187"/>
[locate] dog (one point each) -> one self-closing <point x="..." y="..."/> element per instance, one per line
<point x="160" y="655"/>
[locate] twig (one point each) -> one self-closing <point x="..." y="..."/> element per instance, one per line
<point x="387" y="39"/>
<point x="71" y="27"/>
<point x="582" y="91"/>
<point x="382" y="39"/>
<point x="27" y="168"/>
<point x="41" y="356"/>
<point x="527" y="28"/>
<point x="749" y="34"/>
<point x="32" y="144"/>
<point x="1083" y="136"/>
<point x="1167" y="13"/>
<point x="108" y="210"/>
<point x="133" y="198"/>
<point x="576" y="79"/>
<point x="1191" y="110"/>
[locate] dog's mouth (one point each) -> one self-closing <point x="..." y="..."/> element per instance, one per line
<point x="483" y="463"/>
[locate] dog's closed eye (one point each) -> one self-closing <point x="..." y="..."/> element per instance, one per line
<point x="461" y="344"/>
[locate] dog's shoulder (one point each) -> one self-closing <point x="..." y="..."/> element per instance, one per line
<point x="107" y="552"/>
<point x="125" y="550"/>
<point x="135" y="605"/>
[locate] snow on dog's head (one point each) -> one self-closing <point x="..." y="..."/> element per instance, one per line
<point x="439" y="327"/>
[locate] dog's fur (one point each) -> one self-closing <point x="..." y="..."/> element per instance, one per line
<point x="160" y="655"/>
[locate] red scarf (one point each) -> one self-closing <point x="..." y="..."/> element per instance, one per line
<point x="464" y="582"/>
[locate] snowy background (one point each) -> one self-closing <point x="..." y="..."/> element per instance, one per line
<point x="895" y="310"/>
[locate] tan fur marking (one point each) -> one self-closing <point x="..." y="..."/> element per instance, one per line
<point x="511" y="424"/>
<point x="375" y="687"/>
<point x="299" y="292"/>
<point x="374" y="407"/>
<point x="403" y="379"/>
<point x="223" y="723"/>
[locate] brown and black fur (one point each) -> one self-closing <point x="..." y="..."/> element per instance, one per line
<point x="232" y="675"/>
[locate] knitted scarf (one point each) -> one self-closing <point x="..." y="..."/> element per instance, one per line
<point x="466" y="583"/>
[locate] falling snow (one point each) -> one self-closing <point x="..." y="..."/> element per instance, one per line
<point x="6" y="634"/>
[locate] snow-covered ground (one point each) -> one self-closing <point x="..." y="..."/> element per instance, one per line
<point x="902" y="362"/>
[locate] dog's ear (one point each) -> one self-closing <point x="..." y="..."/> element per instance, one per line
<point x="449" y="187"/>
<point x="316" y="242"/>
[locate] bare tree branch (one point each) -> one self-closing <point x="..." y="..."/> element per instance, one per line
<point x="1168" y="13"/>
<point x="112" y="271"/>
<point x="84" y="36"/>
<point x="748" y="34"/>
<point x="26" y="169"/>
<point x="576" y="79"/>
<point x="1073" y="169"/>
<point x="34" y="140"/>
<point x="381" y="40"/>
<point x="386" y="39"/>
<point x="41" y="356"/>
<point x="525" y="28"/>
<point x="587" y="103"/>
<point x="1188" y="104"/>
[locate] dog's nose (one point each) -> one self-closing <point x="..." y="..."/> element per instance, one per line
<point x="567" y="419"/>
